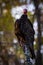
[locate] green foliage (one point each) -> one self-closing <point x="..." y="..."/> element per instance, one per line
<point x="1" y="24"/>
<point x="7" y="25"/>
<point x="30" y="15"/>
<point x="42" y="40"/>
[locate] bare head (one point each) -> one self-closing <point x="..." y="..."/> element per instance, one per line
<point x="25" y="11"/>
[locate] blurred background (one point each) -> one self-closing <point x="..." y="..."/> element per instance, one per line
<point x="10" y="51"/>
